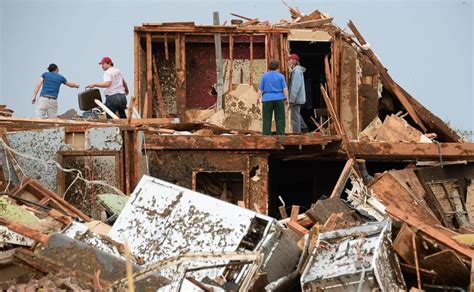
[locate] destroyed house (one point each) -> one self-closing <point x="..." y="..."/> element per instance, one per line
<point x="349" y="94"/>
<point x="379" y="194"/>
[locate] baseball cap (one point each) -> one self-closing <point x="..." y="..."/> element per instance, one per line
<point x="294" y="57"/>
<point x="105" y="60"/>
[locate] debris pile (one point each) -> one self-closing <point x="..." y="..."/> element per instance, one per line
<point x="190" y="197"/>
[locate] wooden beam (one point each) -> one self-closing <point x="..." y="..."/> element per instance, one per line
<point x="387" y="78"/>
<point x="181" y="75"/>
<point x="251" y="61"/>
<point x="219" y="64"/>
<point x="211" y="29"/>
<point x="165" y="41"/>
<point x="154" y="142"/>
<point x="136" y="68"/>
<point x="147" y="108"/>
<point x="266" y="52"/>
<point x="298" y="229"/>
<point x="283" y="213"/>
<point x="231" y="60"/>
<point x="342" y="180"/>
<point x="413" y="151"/>
<point x="295" y="210"/>
<point x="130" y="110"/>
<point x="24" y="230"/>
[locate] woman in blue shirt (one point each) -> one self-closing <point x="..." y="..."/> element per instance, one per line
<point x="47" y="104"/>
<point x="273" y="93"/>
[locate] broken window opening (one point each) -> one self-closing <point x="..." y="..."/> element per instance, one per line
<point x="225" y="186"/>
<point x="311" y="56"/>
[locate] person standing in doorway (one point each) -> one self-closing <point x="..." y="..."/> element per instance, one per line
<point x="273" y="93"/>
<point x="297" y="92"/>
<point x="116" y="89"/>
<point x="49" y="82"/>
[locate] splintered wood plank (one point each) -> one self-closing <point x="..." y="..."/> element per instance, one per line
<point x="283" y="213"/>
<point x="295" y="210"/>
<point x="449" y="267"/>
<point x="298" y="229"/>
<point x="470" y="201"/>
<point x="148" y="108"/>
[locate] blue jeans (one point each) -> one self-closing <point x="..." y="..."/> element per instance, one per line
<point x="116" y="103"/>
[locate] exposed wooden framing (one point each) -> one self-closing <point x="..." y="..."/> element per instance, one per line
<point x="417" y="265"/>
<point x="233" y="142"/>
<point x="231" y="60"/>
<point x="209" y="29"/>
<point x="271" y="41"/>
<point x="219" y="65"/>
<point x="387" y="78"/>
<point x="130" y="110"/>
<point x="24" y="230"/>
<point x="266" y="52"/>
<point x="251" y="60"/>
<point x="135" y="160"/>
<point x="159" y="95"/>
<point x="165" y="42"/>
<point x="341" y="182"/>
<point x="413" y="151"/>
<point x="126" y="160"/>
<point x="147" y="108"/>
<point x="328" y="73"/>
<point x="181" y="75"/>
<point x="281" y="54"/>
<point x="136" y="68"/>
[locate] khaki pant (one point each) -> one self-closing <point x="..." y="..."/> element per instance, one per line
<point x="46" y="108"/>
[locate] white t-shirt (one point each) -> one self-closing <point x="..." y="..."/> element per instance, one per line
<point x="115" y="77"/>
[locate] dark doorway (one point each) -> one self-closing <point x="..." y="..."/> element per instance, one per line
<point x="301" y="182"/>
<point x="311" y="56"/>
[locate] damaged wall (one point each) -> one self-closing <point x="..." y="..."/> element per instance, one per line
<point x="179" y="167"/>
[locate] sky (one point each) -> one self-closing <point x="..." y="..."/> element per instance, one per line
<point x="427" y="46"/>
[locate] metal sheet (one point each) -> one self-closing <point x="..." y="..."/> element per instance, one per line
<point x="354" y="257"/>
<point x="162" y="220"/>
<point x="10" y="237"/>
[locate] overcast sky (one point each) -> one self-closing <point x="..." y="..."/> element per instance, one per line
<point x="427" y="46"/>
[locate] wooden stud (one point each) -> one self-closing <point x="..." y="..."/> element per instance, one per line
<point x="165" y="41"/>
<point x="130" y="110"/>
<point x="136" y="60"/>
<point x="181" y="75"/>
<point x="266" y="52"/>
<point x="149" y="79"/>
<point x="251" y="61"/>
<point x="231" y="59"/>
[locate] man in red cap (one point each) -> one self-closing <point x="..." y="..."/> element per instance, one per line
<point x="297" y="93"/>
<point x="116" y="89"/>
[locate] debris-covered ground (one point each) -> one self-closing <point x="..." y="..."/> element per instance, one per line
<point x="377" y="196"/>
